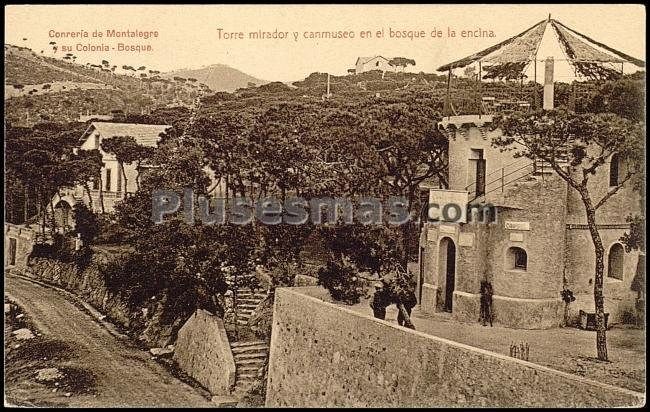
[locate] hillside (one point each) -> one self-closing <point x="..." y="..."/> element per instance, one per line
<point x="218" y="77"/>
<point x="39" y="88"/>
<point x="427" y="88"/>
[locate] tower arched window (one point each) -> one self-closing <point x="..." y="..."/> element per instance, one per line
<point x="615" y="262"/>
<point x="517" y="259"/>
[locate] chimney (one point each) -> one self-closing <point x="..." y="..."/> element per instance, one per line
<point x="548" y="84"/>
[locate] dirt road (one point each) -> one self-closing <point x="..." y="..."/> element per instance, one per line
<point x="125" y="375"/>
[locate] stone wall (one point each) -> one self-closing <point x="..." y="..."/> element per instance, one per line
<point x="19" y="243"/>
<point x="327" y="355"/>
<point x="88" y="283"/>
<point x="528" y="298"/>
<point x="625" y="202"/>
<point x="462" y="170"/>
<point x="581" y="268"/>
<point x="558" y="246"/>
<point x="203" y="352"/>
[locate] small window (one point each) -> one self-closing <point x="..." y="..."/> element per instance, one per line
<point x="97" y="141"/>
<point x="95" y="184"/>
<point x="377" y="64"/>
<point x="615" y="262"/>
<point x="613" y="170"/>
<point x="517" y="259"/>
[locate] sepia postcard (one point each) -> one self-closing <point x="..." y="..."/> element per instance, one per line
<point x="333" y="205"/>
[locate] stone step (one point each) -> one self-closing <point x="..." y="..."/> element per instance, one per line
<point x="249" y="355"/>
<point x="259" y="355"/>
<point x="252" y="348"/>
<point x="251" y="361"/>
<point x="224" y="401"/>
<point x="257" y="349"/>
<point x="250" y="376"/>
<point x="247" y="343"/>
<point x="248" y="368"/>
<point x="246" y="312"/>
<point x="251" y="296"/>
<point x="246" y="306"/>
<point x="256" y="346"/>
<point x="246" y="381"/>
<point x="247" y="300"/>
<point x="241" y="387"/>
<point x="256" y="292"/>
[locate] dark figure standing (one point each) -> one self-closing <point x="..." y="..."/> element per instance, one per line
<point x="380" y="301"/>
<point x="486" y="303"/>
<point x="409" y="301"/>
<point x="388" y="294"/>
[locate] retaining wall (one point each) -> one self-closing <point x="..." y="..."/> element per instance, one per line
<point x="19" y="243"/>
<point x="324" y="354"/>
<point x="89" y="284"/>
<point x="203" y="352"/>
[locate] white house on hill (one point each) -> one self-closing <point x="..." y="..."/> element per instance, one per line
<point x="366" y="64"/>
<point x="144" y="134"/>
<point x="111" y="186"/>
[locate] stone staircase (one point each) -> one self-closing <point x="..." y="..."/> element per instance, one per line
<point x="247" y="301"/>
<point x="250" y="358"/>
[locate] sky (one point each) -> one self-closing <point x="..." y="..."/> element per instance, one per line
<point x="188" y="35"/>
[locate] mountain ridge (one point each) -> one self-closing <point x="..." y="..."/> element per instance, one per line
<point x="217" y="76"/>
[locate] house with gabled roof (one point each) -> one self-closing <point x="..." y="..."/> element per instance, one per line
<point x="366" y="64"/>
<point x="110" y="186"/>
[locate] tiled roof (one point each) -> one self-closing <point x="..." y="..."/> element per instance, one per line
<point x="365" y="60"/>
<point x="144" y="134"/>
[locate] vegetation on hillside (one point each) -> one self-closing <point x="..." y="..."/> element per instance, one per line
<point x="32" y="74"/>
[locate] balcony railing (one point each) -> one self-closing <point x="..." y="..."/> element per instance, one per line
<point x="107" y="195"/>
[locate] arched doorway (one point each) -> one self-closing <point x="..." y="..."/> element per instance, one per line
<point x="63" y="214"/>
<point x="615" y="262"/>
<point x="447" y="271"/>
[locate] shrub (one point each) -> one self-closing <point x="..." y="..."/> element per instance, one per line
<point x="380" y="85"/>
<point x="342" y="282"/>
<point x="86" y="223"/>
<point x="62" y="248"/>
<point x="111" y="233"/>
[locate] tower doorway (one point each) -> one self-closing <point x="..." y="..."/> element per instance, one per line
<point x="447" y="271"/>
